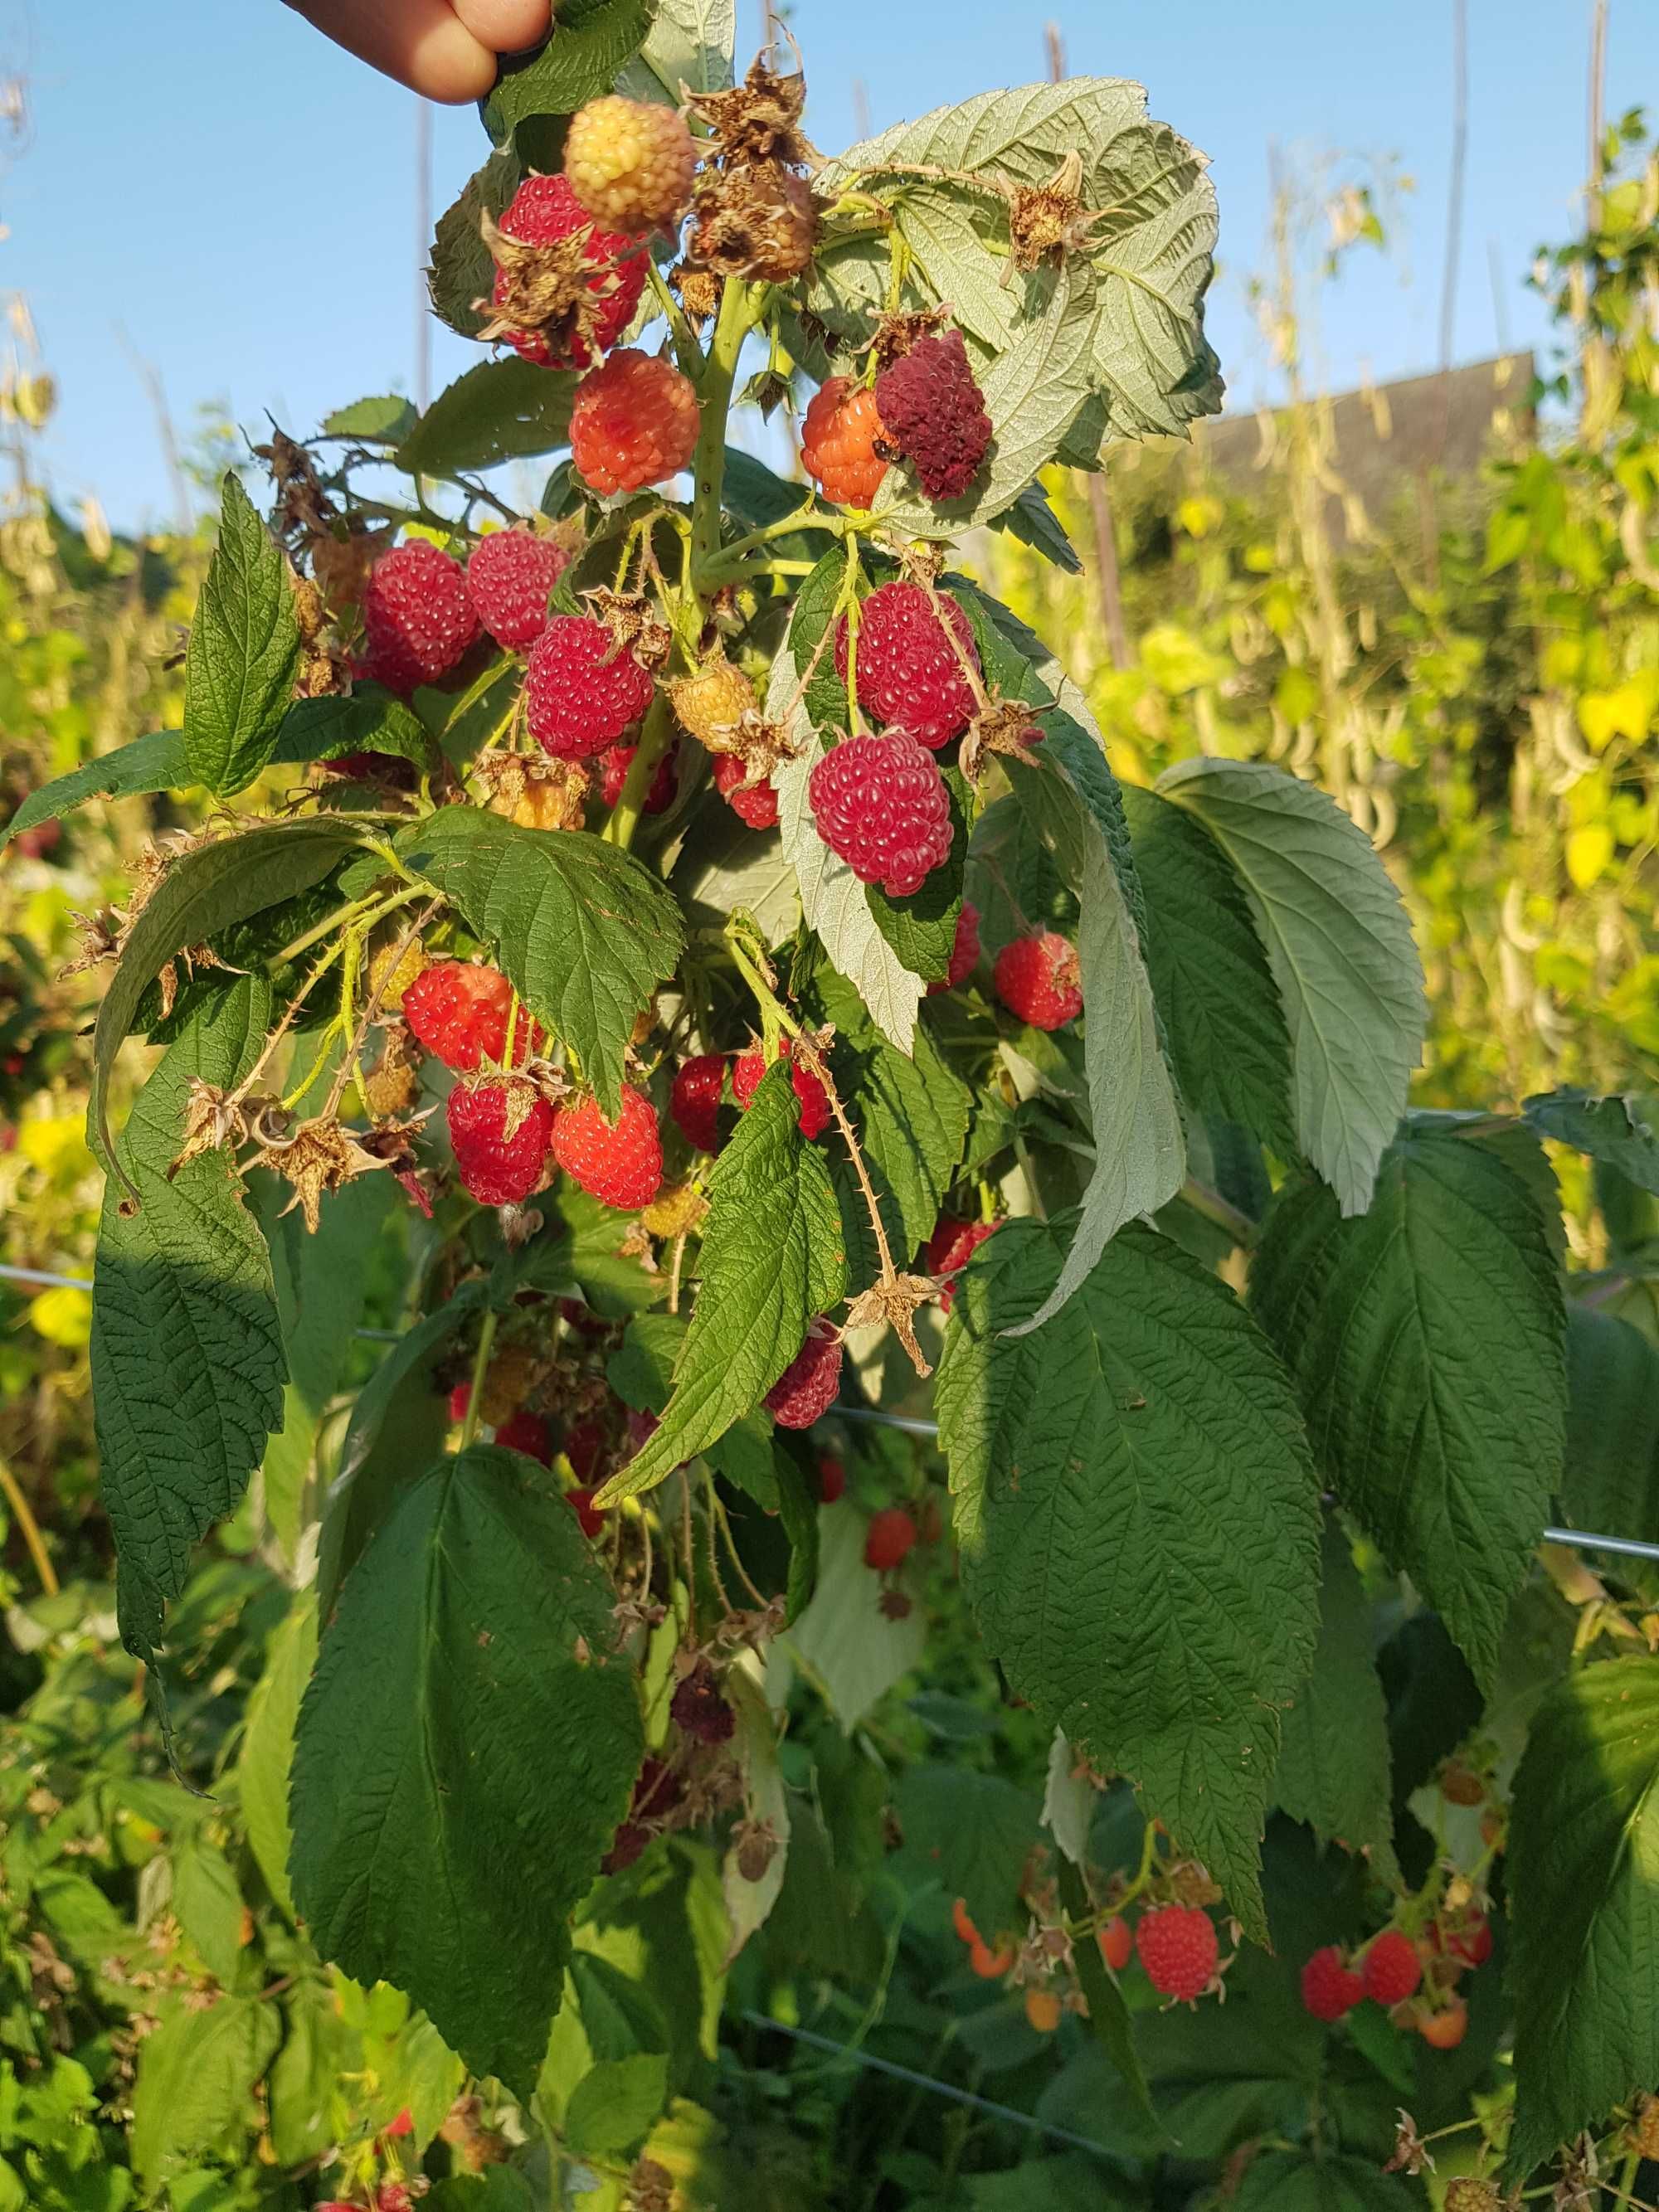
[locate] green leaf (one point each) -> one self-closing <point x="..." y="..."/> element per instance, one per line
<point x="386" y="419"/>
<point x="187" y="1366"/>
<point x="690" y="42"/>
<point x="1109" y="2020"/>
<point x="1210" y="976"/>
<point x="771" y="1262"/>
<point x="614" y="2104"/>
<point x="205" y="890"/>
<point x="372" y="720"/>
<point x="1294" y="2181"/>
<point x="500" y="411"/>
<point x="579" y="1254"/>
<point x="209" y="1906"/>
<point x="1067" y="2184"/>
<point x="1033" y="522"/>
<point x="1138" y="1518"/>
<point x="195" y="2087"/>
<point x="462" y="270"/>
<point x="592" y="41"/>
<point x="854" y="1652"/>
<point x="152" y="762"/>
<point x="1610" y="1477"/>
<point x="1340" y="945"/>
<point x="922" y="928"/>
<point x="1614" y="1130"/>
<point x="244" y="652"/>
<point x="318" y="2048"/>
<point x="584" y="929"/>
<point x="1333" y="1759"/>
<point x="267" y="1753"/>
<point x="1426" y="1340"/>
<point x="467" y="1748"/>
<point x="976" y="1834"/>
<point x="1584" y="1906"/>
<point x="642" y="1373"/>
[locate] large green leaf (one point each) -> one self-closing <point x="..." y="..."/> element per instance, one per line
<point x="642" y="1373"/>
<point x="462" y="270"/>
<point x="1295" y="2181"/>
<point x="195" y="2087"/>
<point x="1426" y="1339"/>
<point x="465" y="1751"/>
<point x="1139" y="1523"/>
<point x="244" y="652"/>
<point x="585" y="931"/>
<point x="974" y="1833"/>
<point x="772" y="1261"/>
<point x="591" y="41"/>
<point x="856" y="1652"/>
<point x="1340" y="948"/>
<point x="1610" y="1474"/>
<point x="1583" y="1895"/>
<point x="187" y="1366"/>
<point x="154" y="761"/>
<point x="370" y="719"/>
<point x="267" y="1753"/>
<point x="500" y="411"/>
<point x="1615" y="1130"/>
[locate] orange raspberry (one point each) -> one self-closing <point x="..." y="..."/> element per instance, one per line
<point x="837" y="443"/>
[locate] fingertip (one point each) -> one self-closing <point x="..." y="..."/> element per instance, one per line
<point x="506" y="27"/>
<point x="448" y="65"/>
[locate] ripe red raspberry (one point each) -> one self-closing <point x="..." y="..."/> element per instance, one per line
<point x="837" y="443"/>
<point x="545" y="211"/>
<point x="933" y="411"/>
<point x="511" y="575"/>
<point x="459" y="1011"/>
<point x="880" y="803"/>
<point x="910" y="669"/>
<point x="1117" y="1943"/>
<point x="582" y="690"/>
<point x="747" y="1069"/>
<point x="757" y="804"/>
<point x="695" y="1100"/>
<point x="1037" y="978"/>
<point x="583" y="1447"/>
<point x="951" y="1247"/>
<point x="832" y="1479"/>
<point x="1391" y="1968"/>
<point x="1177" y="1947"/>
<point x="1329" y="1986"/>
<point x="634" y="422"/>
<point x="891" y="1534"/>
<point x="500" y="1133"/>
<point x="527" y="1433"/>
<point x="418" y="616"/>
<point x="619" y="1163"/>
<point x="580" y="1502"/>
<point x="964" y="953"/>
<point x="459" y="1399"/>
<point x="697" y="1707"/>
<point x="630" y="162"/>
<point x="614" y="764"/>
<point x="404" y="2124"/>
<point x="806" y="1389"/>
<point x="393" y="2196"/>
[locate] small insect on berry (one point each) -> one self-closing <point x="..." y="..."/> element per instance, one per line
<point x="757" y="804"/>
<point x="951" y="1247"/>
<point x="965" y="951"/>
<point x="1038" y="979"/>
<point x="880" y="804"/>
<point x="1117" y="1942"/>
<point x="459" y="1011"/>
<point x="1178" y="1947"/>
<point x="1330" y="1986"/>
<point x="500" y="1133"/>
<point x="630" y="162"/>
<point x="596" y="304"/>
<point x="582" y="692"/>
<point x="1391" y="1968"/>
<point x="838" y="443"/>
<point x="990" y="1966"/>
<point x="695" y="1100"/>
<point x="528" y="1433"/>
<point x="418" y="615"/>
<point x="1044" y="2010"/>
<point x="750" y="1066"/>
<point x="930" y="402"/>
<point x="890" y="1535"/>
<point x="910" y="667"/>
<point x="614" y="764"/>
<point x="634" y="423"/>
<point x="618" y="1162"/>
<point x="510" y="578"/>
<point x="1445" y="2029"/>
<point x="806" y="1389"/>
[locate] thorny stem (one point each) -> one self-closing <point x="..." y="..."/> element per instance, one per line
<point x="655" y="738"/>
<point x="288" y="1013"/>
<point x="480" y="1369"/>
<point x="969" y="665"/>
<point x="724" y="1520"/>
<point x="719" y="369"/>
<point x="354" y="912"/>
<point x="728" y="563"/>
<point x="687" y="351"/>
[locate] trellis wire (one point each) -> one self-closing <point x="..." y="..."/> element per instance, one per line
<point x="1577" y="1539"/>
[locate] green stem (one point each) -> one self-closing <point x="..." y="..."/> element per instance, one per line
<point x="655" y="738"/>
<point x="686" y="349"/>
<point x="720" y="372"/>
<point x="480" y="1369"/>
<point x="803" y="518"/>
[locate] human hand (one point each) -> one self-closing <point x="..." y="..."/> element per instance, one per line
<point x="444" y="49"/>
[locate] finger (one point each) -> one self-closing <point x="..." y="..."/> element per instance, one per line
<point x="423" y="43"/>
<point x="506" y="27"/>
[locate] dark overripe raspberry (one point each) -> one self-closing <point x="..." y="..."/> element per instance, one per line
<point x="634" y="422"/>
<point x="418" y="616"/>
<point x="500" y="1132"/>
<point x="583" y="1447"/>
<point x="614" y="764"/>
<point x="838" y="442"/>
<point x="747" y="1068"/>
<point x="1330" y="1986"/>
<point x="695" y="1100"/>
<point x="511" y="575"/>
<point x="933" y="410"/>
<point x="543" y="212"/>
<point x="698" y="1707"/>
<point x="910" y="669"/>
<point x="964" y="952"/>
<point x="806" y="1389"/>
<point x="951" y="1247"/>
<point x="1037" y="978"/>
<point x="889" y="1538"/>
<point x="459" y="1011"/>
<point x="528" y="1433"/>
<point x="630" y="162"/>
<point x="1391" y="1968"/>
<point x="880" y="804"/>
<point x="591" y="1517"/>
<point x="581" y="691"/>
<point x="757" y="804"/>
<point x="618" y="1162"/>
<point x="1178" y="1948"/>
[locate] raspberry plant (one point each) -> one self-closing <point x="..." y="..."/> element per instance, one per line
<point x="816" y="1021"/>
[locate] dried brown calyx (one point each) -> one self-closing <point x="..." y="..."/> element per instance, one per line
<point x="1005" y="725"/>
<point x="537" y="794"/>
<point x="894" y="1301"/>
<point x="897" y="334"/>
<point x="758" y="120"/>
<point x="304" y="510"/>
<point x="699" y="290"/>
<point x="322" y="1155"/>
<point x="554" y="290"/>
<point x="758" y="220"/>
<point x="1047" y="221"/>
<point x="633" y="621"/>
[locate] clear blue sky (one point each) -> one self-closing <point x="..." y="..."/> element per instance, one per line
<point x="208" y="186"/>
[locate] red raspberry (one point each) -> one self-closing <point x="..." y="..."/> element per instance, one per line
<point x="582" y="690"/>
<point x="1037" y="978"/>
<point x="838" y="440"/>
<point x="34" y="844"/>
<point x="933" y="411"/>
<point x="1330" y="1987"/>
<point x="459" y="1399"/>
<point x="881" y="804"/>
<point x="806" y="1389"/>
<point x="403" y="2125"/>
<point x="458" y="1011"/>
<point x="614" y="764"/>
<point x="749" y="1067"/>
<point x="416" y="615"/>
<point x="619" y="1163"/>
<point x="909" y="671"/>
<point x="393" y="2196"/>
<point x="527" y="1433"/>
<point x="832" y="1479"/>
<point x="695" y="1100"/>
<point x="698" y="1707"/>
<point x="583" y="1447"/>
<point x="630" y="162"/>
<point x="951" y="1247"/>
<point x="1471" y="1942"/>
<point x="1177" y="1947"/>
<point x="544" y="210"/>
<point x="626" y="1846"/>
<point x="511" y="575"/>
<point x="580" y="1502"/>
<point x="1117" y="1943"/>
<point x="634" y="422"/>
<point x="500" y="1133"/>
<point x="757" y="804"/>
<point x="1391" y="1968"/>
<point x="888" y="1537"/>
<point x="365" y="767"/>
<point x="964" y="953"/>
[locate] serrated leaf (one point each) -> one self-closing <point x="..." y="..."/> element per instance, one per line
<point x="690" y="43"/>
<point x="1296" y="2181"/>
<point x="208" y="1906"/>
<point x="385" y="419"/>
<point x="585" y="931"/>
<point x="500" y="410"/>
<point x="267" y="1753"/>
<point x="318" y="2048"/>
<point x="1610" y="1473"/>
<point x="1340" y="945"/>
<point x="771" y="1262"/>
<point x="591" y="42"/>
<point x="974" y="1833"/>
<point x="1138" y="1517"/>
<point x="1614" y="1130"/>
<point x="1584" y="1905"/>
<point x="1426" y="1340"/>
<point x="1334" y="1758"/>
<point x="642" y="1373"/>
<point x="1032" y="521"/>
<point x="614" y="2104"/>
<point x="194" y="2091"/>
<point x="462" y="270"/>
<point x="244" y="652"/>
<point x="187" y="1365"/>
<point x="153" y="762"/>
<point x="465" y="1750"/>
<point x="371" y="719"/>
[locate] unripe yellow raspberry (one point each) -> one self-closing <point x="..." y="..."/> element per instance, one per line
<point x="410" y="963"/>
<point x="629" y="162"/>
<point x="711" y="704"/>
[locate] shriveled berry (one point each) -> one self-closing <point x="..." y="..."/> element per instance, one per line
<point x="933" y="410"/>
<point x="697" y="1707"/>
<point x="750" y="1066"/>
<point x="580" y="1502"/>
<point x="618" y="1162"/>
<point x="460" y="1010"/>
<point x="910" y="666"/>
<point x="589" y="309"/>
<point x="952" y="1244"/>
<point x="757" y="804"/>
<point x="1391" y="1968"/>
<point x="1330" y="1986"/>
<point x="1117" y="1943"/>
<point x="614" y="764"/>
<point x="500" y="1133"/>
<point x="582" y="691"/>
<point x="838" y="443"/>
<point x="627" y="1845"/>
<point x="806" y="1389"/>
<point x="1445" y="2029"/>
<point x="634" y="423"/>
<point x="511" y="576"/>
<point x="712" y="701"/>
<point x="880" y="804"/>
<point x="1038" y="979"/>
<point x="890" y="1535"/>
<point x="964" y="952"/>
<point x="418" y="615"/>
<point x="528" y="1433"/>
<point x="1178" y="1948"/>
<point x="832" y="1479"/>
<point x="630" y="162"/>
<point x="695" y="1099"/>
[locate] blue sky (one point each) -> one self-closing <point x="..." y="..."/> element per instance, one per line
<point x="207" y="187"/>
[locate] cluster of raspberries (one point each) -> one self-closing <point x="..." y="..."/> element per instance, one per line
<point x="925" y="409"/>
